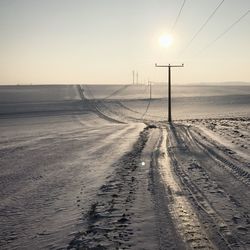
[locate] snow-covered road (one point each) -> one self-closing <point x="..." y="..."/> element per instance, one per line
<point x="189" y="193"/>
<point x="92" y="174"/>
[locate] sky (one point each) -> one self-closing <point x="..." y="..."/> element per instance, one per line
<point x="103" y="41"/>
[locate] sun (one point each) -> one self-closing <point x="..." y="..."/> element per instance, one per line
<point x="165" y="40"/>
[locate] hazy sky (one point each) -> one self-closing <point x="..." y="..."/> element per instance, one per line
<point x="102" y="41"/>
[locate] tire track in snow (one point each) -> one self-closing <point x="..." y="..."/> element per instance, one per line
<point x="226" y="220"/>
<point x="237" y="169"/>
<point x="184" y="216"/>
<point x="168" y="238"/>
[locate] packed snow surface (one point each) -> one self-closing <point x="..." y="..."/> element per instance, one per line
<point x="98" y="167"/>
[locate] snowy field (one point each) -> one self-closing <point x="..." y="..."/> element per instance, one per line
<point x="98" y="167"/>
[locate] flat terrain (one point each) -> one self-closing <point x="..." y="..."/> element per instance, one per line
<point x="84" y="171"/>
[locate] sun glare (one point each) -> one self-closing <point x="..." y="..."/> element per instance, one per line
<point x="165" y="40"/>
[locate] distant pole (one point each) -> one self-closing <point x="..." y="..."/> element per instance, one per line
<point x="133" y="77"/>
<point x="150" y="89"/>
<point x="136" y="77"/>
<point x="169" y="87"/>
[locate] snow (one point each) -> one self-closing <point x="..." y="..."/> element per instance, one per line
<point x="77" y="171"/>
<point x="51" y="169"/>
<point x="233" y="134"/>
<point x="216" y="183"/>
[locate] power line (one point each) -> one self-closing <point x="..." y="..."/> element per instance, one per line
<point x="224" y="32"/>
<point x="178" y="16"/>
<point x="202" y="26"/>
<point x="116" y="92"/>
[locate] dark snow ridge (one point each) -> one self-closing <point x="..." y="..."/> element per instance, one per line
<point x="108" y="219"/>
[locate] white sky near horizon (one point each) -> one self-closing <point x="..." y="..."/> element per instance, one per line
<point x="91" y="41"/>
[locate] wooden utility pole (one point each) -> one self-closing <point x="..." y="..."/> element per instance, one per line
<point x="169" y="87"/>
<point x="150" y="91"/>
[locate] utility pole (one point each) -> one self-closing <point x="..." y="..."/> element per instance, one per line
<point x="136" y="77"/>
<point x="169" y="86"/>
<point x="150" y="91"/>
<point x="133" y="76"/>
